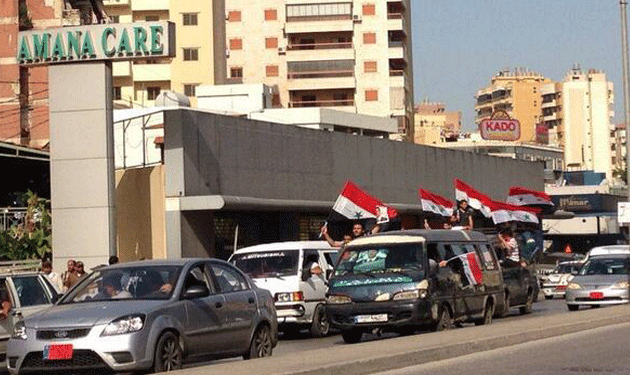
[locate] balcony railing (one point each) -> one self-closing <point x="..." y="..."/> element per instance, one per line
<point x="312" y="46"/>
<point x="322" y="103"/>
<point x="394" y="16"/>
<point x="321" y="74"/>
<point x="234" y="80"/>
<point x="335" y="17"/>
<point x="396" y="43"/>
<point x="396" y="72"/>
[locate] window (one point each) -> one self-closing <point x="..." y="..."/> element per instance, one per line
<point x="190" y="89"/>
<point x="369" y="66"/>
<point x="189" y="19"/>
<point x="30" y="291"/>
<point x="271" y="43"/>
<point x="319" y="11"/>
<point x="151" y="18"/>
<point x="228" y="280"/>
<point x="236" y="72"/>
<point x="191" y="54"/>
<point x="369" y="9"/>
<point x="236" y="44"/>
<point x="272" y="70"/>
<point x="234" y="16"/>
<point x="371" y="95"/>
<point x="115" y="19"/>
<point x="197" y="277"/>
<point x="117" y="93"/>
<point x="152" y="93"/>
<point x="369" y="38"/>
<point x="271" y="14"/>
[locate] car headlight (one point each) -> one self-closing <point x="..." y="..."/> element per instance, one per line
<point x="574" y="286"/>
<point x="336" y="299"/>
<point x="408" y="294"/>
<point x="125" y="324"/>
<point x="289" y="297"/>
<point x="19" y="331"/>
<point x="621" y="285"/>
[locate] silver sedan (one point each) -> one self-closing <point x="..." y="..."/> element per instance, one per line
<point x="148" y="315"/>
<point x="603" y="280"/>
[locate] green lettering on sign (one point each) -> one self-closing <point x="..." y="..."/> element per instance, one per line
<point x="156" y="47"/>
<point x="73" y="44"/>
<point x="140" y="38"/>
<point x="40" y="44"/>
<point x="124" y="46"/>
<point x="58" y="52"/>
<point x="25" y="51"/>
<point x="108" y="31"/>
<point x="87" y="48"/>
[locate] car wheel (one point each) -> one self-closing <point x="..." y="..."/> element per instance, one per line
<point x="527" y="308"/>
<point x="320" y="326"/>
<point x="573" y="307"/>
<point x="261" y="345"/>
<point x="548" y="297"/>
<point x="351" y="336"/>
<point x="168" y="353"/>
<point x="488" y="311"/>
<point x="445" y="321"/>
<point x="506" y="308"/>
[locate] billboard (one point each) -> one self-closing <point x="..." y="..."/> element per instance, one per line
<point x="495" y="129"/>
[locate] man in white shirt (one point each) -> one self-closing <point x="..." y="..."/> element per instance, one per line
<point x="54" y="277"/>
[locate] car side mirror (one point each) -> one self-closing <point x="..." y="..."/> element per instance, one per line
<point x="306" y="274"/>
<point x="196" y="291"/>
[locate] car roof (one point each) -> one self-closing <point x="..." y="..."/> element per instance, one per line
<point x="609" y="250"/>
<point x="571" y="263"/>
<point x="288" y="245"/>
<point x="438" y="234"/>
<point x="158" y="262"/>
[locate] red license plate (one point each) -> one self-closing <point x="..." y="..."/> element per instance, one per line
<point x="561" y="287"/>
<point x="596" y="295"/>
<point x="57" y="352"/>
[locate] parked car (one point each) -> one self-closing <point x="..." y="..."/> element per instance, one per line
<point x="27" y="291"/>
<point x="284" y="268"/>
<point x="556" y="282"/>
<point x="603" y="280"/>
<point x="149" y="315"/>
<point x="404" y="280"/>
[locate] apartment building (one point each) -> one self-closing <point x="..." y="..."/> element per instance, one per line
<point x="579" y="111"/>
<point x="517" y="93"/>
<point x="433" y="123"/>
<point x="348" y="55"/>
<point x="200" y="56"/>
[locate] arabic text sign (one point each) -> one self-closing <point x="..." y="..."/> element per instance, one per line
<point x="500" y="130"/>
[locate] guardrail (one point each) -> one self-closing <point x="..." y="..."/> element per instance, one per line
<point x="18" y="266"/>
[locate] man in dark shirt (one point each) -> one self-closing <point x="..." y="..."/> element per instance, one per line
<point x="464" y="215"/>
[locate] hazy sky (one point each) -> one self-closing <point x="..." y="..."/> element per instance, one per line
<point x="458" y="45"/>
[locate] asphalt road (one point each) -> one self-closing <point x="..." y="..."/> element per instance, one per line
<point x="599" y="351"/>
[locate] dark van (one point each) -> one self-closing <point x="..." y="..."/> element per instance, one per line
<point x="404" y="280"/>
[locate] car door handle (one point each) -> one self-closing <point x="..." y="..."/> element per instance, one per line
<point x="218" y="305"/>
<point x="251" y="300"/>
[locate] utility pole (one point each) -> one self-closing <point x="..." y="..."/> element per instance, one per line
<point x="623" y="5"/>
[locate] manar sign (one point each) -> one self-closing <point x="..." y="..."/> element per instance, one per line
<point x="97" y="42"/>
<point x="500" y="127"/>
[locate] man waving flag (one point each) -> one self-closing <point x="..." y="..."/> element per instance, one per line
<point x="354" y="204"/>
<point x="474" y="198"/>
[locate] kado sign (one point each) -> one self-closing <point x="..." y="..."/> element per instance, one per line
<point x="500" y="127"/>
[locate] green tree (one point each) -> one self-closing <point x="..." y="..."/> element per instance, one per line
<point x="32" y="238"/>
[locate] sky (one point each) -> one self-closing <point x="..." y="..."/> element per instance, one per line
<point x="458" y="45"/>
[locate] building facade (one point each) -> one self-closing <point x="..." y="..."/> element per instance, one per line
<point x="578" y="112"/>
<point x="433" y="124"/>
<point x="200" y="56"/>
<point x="517" y="93"/>
<point x="323" y="54"/>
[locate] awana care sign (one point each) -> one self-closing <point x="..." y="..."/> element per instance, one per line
<point x="112" y="41"/>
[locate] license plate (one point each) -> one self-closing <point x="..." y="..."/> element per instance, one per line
<point x="596" y="295"/>
<point x="57" y="352"/>
<point x="370" y="318"/>
<point x="561" y="287"/>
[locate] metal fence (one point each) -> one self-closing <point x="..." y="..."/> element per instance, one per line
<point x="10" y="216"/>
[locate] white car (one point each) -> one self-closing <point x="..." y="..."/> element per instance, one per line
<point x="555" y="284"/>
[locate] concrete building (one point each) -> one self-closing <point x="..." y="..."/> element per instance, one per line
<point x="351" y="55"/>
<point x="200" y="58"/>
<point x="579" y="111"/>
<point x="619" y="150"/>
<point x="433" y="124"/>
<point x="517" y="93"/>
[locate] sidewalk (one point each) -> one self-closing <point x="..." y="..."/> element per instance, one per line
<point x="400" y="352"/>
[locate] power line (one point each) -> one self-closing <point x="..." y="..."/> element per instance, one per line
<point x="33" y="82"/>
<point x="30" y="128"/>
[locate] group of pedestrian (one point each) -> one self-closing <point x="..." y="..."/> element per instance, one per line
<point x="68" y="278"/>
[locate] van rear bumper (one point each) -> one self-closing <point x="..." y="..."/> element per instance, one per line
<point x="399" y="313"/>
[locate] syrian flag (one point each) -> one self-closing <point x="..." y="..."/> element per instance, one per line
<point x="435" y="204"/>
<point x="521" y="196"/>
<point x="474" y="198"/>
<point x="472" y="269"/>
<point x="354" y="204"/>
<point x="503" y="213"/>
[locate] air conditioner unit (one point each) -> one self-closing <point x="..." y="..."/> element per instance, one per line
<point x="282" y="50"/>
<point x="356" y="18"/>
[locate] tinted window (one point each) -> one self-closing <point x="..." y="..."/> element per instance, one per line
<point x="331" y="258"/>
<point x="487" y="258"/>
<point x="606" y="266"/>
<point x="228" y="280"/>
<point x="30" y="291"/>
<point x="268" y="264"/>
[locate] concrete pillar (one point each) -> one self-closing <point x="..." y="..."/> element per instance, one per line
<point x="82" y="163"/>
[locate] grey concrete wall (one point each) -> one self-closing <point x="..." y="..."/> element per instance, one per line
<point x="210" y="154"/>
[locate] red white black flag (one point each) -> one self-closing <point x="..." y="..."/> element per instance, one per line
<point x="435" y="204"/>
<point x="474" y="198"/>
<point x="503" y="213"/>
<point x="520" y="196"/>
<point x="355" y="204"/>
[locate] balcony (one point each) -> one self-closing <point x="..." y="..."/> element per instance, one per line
<point x="323" y="24"/>
<point x="151" y="72"/>
<point x="121" y="68"/>
<point x="396" y="50"/>
<point x="108" y="3"/>
<point x="322" y="103"/>
<point x="143" y="5"/>
<point x="320" y="81"/>
<point x="396" y="78"/>
<point x="319" y="51"/>
<point x="395" y="21"/>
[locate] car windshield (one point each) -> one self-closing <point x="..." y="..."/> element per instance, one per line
<point x="566" y="268"/>
<point x="379" y="259"/>
<point x="606" y="266"/>
<point x="130" y="283"/>
<point x="268" y="264"/>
